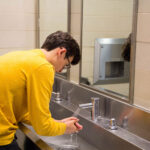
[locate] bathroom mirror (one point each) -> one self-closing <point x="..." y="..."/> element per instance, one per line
<point x="105" y="28"/>
<point x="53" y="16"/>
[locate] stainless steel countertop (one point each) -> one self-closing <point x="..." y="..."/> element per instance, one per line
<point x="56" y="142"/>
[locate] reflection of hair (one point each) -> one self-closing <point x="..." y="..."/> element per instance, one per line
<point x="63" y="39"/>
<point x="126" y="49"/>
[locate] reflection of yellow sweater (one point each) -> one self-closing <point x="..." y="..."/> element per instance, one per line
<point x="26" y="80"/>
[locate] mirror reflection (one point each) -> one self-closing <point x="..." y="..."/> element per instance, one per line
<point x="107" y="26"/>
<point x="53" y="16"/>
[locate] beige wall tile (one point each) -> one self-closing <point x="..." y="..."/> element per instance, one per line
<point x="14" y="39"/>
<point x="143" y="56"/>
<point x="142" y="86"/>
<point x="75" y="6"/>
<point x="17" y="26"/>
<point x="100" y="23"/>
<point x="142" y="75"/>
<point x="88" y="54"/>
<point x="17" y="21"/>
<point x="144" y="6"/>
<point x="87" y="71"/>
<point x="143" y="25"/>
<point x="52" y="22"/>
<point x="75" y="24"/>
<point x="74" y="74"/>
<point x="18" y="6"/>
<point x="2" y="51"/>
<point x="53" y="6"/>
<point x="53" y="17"/>
<point x="106" y="7"/>
<point x="75" y="32"/>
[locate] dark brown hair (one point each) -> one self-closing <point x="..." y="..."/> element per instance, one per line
<point x="127" y="48"/>
<point x="64" y="40"/>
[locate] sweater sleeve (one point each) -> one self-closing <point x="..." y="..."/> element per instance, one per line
<point x="39" y="88"/>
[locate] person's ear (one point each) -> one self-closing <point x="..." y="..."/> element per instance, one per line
<point x="62" y="50"/>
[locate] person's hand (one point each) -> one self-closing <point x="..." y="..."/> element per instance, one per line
<point x="79" y="126"/>
<point x="69" y="118"/>
<point x="72" y="125"/>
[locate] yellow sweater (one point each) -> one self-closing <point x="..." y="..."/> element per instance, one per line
<point x="26" y="80"/>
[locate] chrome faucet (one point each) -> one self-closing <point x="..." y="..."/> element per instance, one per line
<point x="112" y="124"/>
<point x="95" y="107"/>
<point x="86" y="105"/>
<point x="57" y="96"/>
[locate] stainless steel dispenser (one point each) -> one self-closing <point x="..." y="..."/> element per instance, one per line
<point x="108" y="62"/>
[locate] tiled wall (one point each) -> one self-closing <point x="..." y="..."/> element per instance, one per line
<point x="142" y="65"/>
<point x="103" y="19"/>
<point x="18" y="31"/>
<point x="53" y="17"/>
<point x="75" y="32"/>
<point x="17" y="25"/>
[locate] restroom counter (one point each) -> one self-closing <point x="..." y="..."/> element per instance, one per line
<point x="54" y="143"/>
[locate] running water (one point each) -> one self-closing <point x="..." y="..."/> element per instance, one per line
<point x="75" y="114"/>
<point x="73" y="141"/>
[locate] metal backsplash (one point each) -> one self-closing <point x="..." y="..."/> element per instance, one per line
<point x="129" y="117"/>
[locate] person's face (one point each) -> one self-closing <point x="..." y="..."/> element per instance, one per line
<point x="62" y="61"/>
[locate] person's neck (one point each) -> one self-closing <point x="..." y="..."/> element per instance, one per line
<point x="50" y="56"/>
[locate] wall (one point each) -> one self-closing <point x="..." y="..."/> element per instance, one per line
<point x="75" y="32"/>
<point x="142" y="68"/>
<point x="17" y="25"/>
<point x="18" y="31"/>
<point x="53" y="16"/>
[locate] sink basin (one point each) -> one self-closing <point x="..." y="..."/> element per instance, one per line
<point x="94" y="136"/>
<point x="65" y="142"/>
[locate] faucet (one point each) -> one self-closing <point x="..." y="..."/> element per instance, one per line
<point x="57" y="96"/>
<point x="95" y="107"/>
<point x="112" y="124"/>
<point x="69" y="93"/>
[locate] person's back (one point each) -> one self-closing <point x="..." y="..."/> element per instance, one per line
<point x="16" y="68"/>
